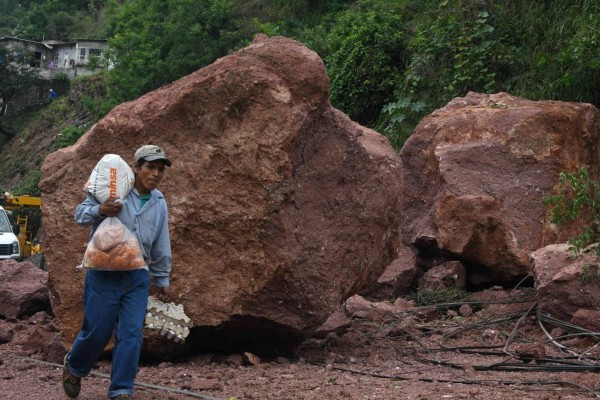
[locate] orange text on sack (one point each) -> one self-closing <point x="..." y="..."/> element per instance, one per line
<point x="113" y="183"/>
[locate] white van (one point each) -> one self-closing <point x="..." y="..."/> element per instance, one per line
<point x="9" y="244"/>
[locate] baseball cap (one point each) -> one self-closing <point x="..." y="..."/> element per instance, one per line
<point x="151" y="152"/>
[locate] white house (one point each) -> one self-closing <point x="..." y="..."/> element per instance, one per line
<point x="71" y="58"/>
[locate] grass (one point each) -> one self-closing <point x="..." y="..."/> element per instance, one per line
<point x="428" y="297"/>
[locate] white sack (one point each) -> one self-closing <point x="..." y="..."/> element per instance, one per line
<point x="112" y="177"/>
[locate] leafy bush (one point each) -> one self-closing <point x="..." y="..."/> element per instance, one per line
<point x="580" y="59"/>
<point x="60" y="76"/>
<point x="560" y="51"/>
<point x="587" y="272"/>
<point x="307" y="21"/>
<point x="16" y="74"/>
<point x="366" y="59"/>
<point x="97" y="106"/>
<point x="68" y="136"/>
<point x="93" y="63"/>
<point x="578" y="196"/>
<point x="155" y="42"/>
<point x="59" y="111"/>
<point x="29" y="185"/>
<point x="460" y="49"/>
<point x="91" y="93"/>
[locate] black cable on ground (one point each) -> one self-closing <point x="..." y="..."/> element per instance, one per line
<point x="546" y="364"/>
<point x="516" y="327"/>
<point x="517" y="367"/>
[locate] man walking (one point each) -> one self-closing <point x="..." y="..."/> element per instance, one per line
<point x="116" y="301"/>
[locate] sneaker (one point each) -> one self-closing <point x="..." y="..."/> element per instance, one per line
<point x="71" y="383"/>
<point x="123" y="396"/>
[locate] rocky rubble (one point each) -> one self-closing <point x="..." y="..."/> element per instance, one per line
<point x="367" y="350"/>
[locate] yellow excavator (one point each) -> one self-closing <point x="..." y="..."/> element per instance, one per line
<point x="15" y="203"/>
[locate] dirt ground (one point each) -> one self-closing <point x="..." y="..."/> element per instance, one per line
<point x="444" y="352"/>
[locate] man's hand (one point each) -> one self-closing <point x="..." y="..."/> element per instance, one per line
<point x="161" y="293"/>
<point x="110" y="207"/>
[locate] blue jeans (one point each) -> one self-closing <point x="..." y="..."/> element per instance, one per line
<point x="113" y="301"/>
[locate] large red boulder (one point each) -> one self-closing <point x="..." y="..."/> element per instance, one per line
<point x="475" y="174"/>
<point x="281" y="207"/>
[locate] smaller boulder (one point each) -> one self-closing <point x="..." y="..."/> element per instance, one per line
<point x="337" y="323"/>
<point x="23" y="289"/>
<point x="566" y="284"/>
<point x="529" y="352"/>
<point x="358" y="306"/>
<point x="397" y="279"/>
<point x="451" y="274"/>
<point x="465" y="310"/>
<point x="589" y="319"/>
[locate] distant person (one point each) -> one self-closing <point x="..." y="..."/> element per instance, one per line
<point x="53" y="94"/>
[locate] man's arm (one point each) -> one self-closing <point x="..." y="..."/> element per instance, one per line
<point x="160" y="254"/>
<point x="90" y="211"/>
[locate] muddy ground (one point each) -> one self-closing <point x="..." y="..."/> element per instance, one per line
<point x="443" y="352"/>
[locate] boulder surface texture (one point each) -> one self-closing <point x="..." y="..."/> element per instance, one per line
<point x="23" y="289"/>
<point x="280" y="206"/>
<point x="567" y="286"/>
<point x="475" y="173"/>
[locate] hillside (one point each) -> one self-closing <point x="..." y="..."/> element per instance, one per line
<point x="44" y="130"/>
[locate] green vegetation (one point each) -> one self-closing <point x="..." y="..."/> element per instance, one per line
<point x="29" y="186"/>
<point x="429" y="297"/>
<point x="155" y="42"/>
<point x="460" y="47"/>
<point x="69" y="136"/>
<point x="586" y="273"/>
<point x="578" y="199"/>
<point x="390" y="62"/>
<point x="366" y="59"/>
<point x="90" y="93"/>
<point x="560" y="51"/>
<point x="52" y="19"/>
<point x="15" y="77"/>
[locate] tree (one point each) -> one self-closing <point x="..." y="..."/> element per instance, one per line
<point x="13" y="19"/>
<point x="155" y="42"/>
<point x="456" y="47"/>
<point x="16" y="76"/>
<point x="60" y="25"/>
<point x="366" y="60"/>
